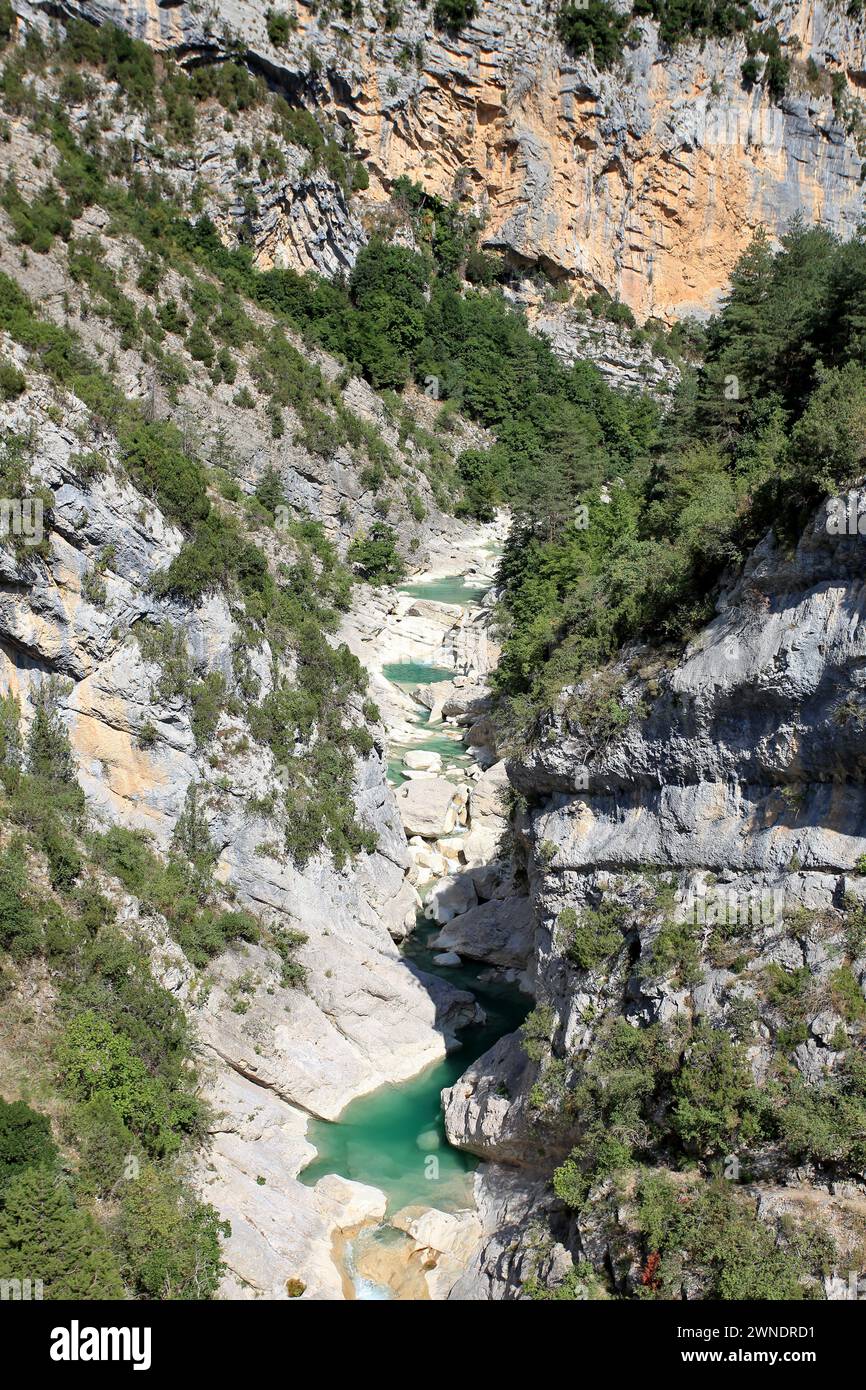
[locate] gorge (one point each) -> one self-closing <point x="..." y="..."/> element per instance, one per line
<point x="432" y="839"/>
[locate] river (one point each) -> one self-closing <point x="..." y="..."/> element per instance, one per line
<point x="394" y="1138"/>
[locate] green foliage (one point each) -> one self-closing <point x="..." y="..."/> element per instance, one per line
<point x="595" y="29"/>
<point x="7" y="21"/>
<point x="708" y="1233"/>
<point x="612" y="1102"/>
<point x="480" y="474"/>
<point x="95" y="1061"/>
<point x="591" y="937"/>
<point x="169" y="1239"/>
<point x="826" y="1123"/>
<point x="12" y="382"/>
<point x="181" y="888"/>
<point x="49" y="752"/>
<point x="675" y="954"/>
<point x="772" y="421"/>
<point x="280" y="27"/>
<point x="375" y="556"/>
<point x="125" y="60"/>
<point x="109" y="1152"/>
<point x="25" y="1141"/>
<point x="716" y="1105"/>
<point x="536" y="1032"/>
<point x="38" y="222"/>
<point x="43" y="1235"/>
<point x="454" y="15"/>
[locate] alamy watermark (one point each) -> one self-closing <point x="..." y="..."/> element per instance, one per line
<point x="733" y="907"/>
<point x="846" y="516"/>
<point x="22" y="517"/>
<point x="21" y="1290"/>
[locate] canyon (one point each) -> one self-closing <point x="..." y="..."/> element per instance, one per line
<point x="401" y="1047"/>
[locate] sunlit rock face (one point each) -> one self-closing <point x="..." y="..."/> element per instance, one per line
<point x="647" y="180"/>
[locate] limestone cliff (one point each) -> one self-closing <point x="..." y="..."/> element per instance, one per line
<point x="732" y="805"/>
<point x="647" y="180"/>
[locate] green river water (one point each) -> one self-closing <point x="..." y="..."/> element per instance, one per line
<point x="394" y="1138"/>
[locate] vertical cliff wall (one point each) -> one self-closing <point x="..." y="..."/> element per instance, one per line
<point x="647" y="180"/>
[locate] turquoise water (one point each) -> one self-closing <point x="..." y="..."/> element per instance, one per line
<point x="451" y="750"/>
<point x="449" y="589"/>
<point x="395" y="1137"/>
<point x="415" y="673"/>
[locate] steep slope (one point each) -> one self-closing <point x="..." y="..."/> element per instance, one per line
<point x="165" y="585"/>
<point x="698" y="877"/>
<point x="647" y="180"/>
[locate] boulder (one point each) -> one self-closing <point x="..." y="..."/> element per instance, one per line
<point x="480" y="845"/>
<point x="451" y="847"/>
<point x="348" y="1203"/>
<point x="452" y="896"/>
<point x="488" y="799"/>
<point x="426" y="857"/>
<point x="499" y="931"/>
<point x="447" y="958"/>
<point x="422" y="760"/>
<point x="427" y="808"/>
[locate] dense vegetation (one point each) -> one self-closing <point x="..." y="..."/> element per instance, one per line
<point x="773" y="420"/>
<point x="599" y="31"/>
<point x="99" y="1207"/>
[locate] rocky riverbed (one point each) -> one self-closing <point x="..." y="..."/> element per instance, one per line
<point x="429" y="649"/>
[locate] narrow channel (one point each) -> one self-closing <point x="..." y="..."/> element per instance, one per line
<point x="388" y="1138"/>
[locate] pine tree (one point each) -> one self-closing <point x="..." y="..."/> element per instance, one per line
<point x="43" y="1235"/>
<point x="49" y="752"/>
<point x="25" y="1140"/>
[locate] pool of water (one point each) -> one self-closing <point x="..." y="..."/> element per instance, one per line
<point x="412" y="673"/>
<point x="394" y="1138"/>
<point x="451" y="750"/>
<point x="449" y="589"/>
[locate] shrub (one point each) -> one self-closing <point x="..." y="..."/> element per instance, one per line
<point x="675" y="953"/>
<point x="280" y="27"/>
<point x="95" y="1061"/>
<point x="25" y="1140"/>
<point x="44" y="1235"/>
<point x="716" y="1104"/>
<point x="169" y="1240"/>
<point x="615" y="1095"/>
<point x="593" y="936"/>
<point x="20" y="921"/>
<point x="709" y="1233"/>
<point x="12" y="382"/>
<point x="49" y="752"/>
<point x="375" y="556"/>
<point x="594" y="29"/>
<point x="454" y="15"/>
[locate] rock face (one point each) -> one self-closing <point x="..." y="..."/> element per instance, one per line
<point x="365" y="1017"/>
<point x="647" y="180"/>
<point x="736" y="803"/>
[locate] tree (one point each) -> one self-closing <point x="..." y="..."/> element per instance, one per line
<point x="714" y="1093"/>
<point x="477" y="472"/>
<point x="594" y="29"/>
<point x="49" y="752"/>
<point x="25" y="1140"/>
<point x="829" y="441"/>
<point x="376" y="557"/>
<point x="454" y="15"/>
<point x="170" y="1240"/>
<point x="43" y="1235"/>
